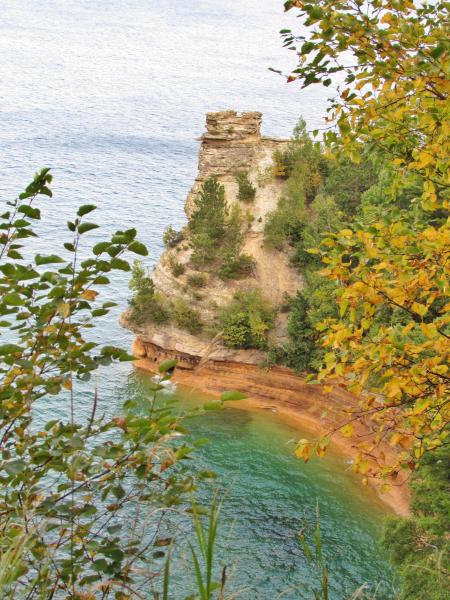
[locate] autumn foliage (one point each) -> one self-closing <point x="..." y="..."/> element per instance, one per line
<point x="390" y="344"/>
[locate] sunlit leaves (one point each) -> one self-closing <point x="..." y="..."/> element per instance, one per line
<point x="395" y="93"/>
<point x="391" y="343"/>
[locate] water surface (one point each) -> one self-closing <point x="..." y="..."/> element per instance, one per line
<point x="268" y="497"/>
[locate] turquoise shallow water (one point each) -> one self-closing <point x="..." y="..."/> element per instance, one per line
<point x="268" y="497"/>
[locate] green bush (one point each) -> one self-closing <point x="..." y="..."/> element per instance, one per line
<point x="285" y="223"/>
<point x="186" y="317"/>
<point x="176" y="267"/>
<point x="145" y="305"/>
<point x="70" y="479"/>
<point x="141" y="284"/>
<point x="172" y="237"/>
<point x="204" y="249"/>
<point x="247" y="320"/>
<point x="207" y="223"/>
<point x="303" y="347"/>
<point x="233" y="267"/>
<point x="196" y="280"/>
<point x="281" y="164"/>
<point x="420" y="545"/>
<point x="152" y="311"/>
<point x="246" y="191"/>
<point x="210" y="210"/>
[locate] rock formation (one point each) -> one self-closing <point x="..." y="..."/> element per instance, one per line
<point x="232" y="143"/>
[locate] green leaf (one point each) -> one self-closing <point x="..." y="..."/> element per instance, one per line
<point x="40" y="259"/>
<point x="232" y="395"/>
<point x="118" y="492"/>
<point x="14" y="467"/>
<point x="101" y="247"/>
<point x="436" y="52"/>
<point x="307" y="47"/>
<point x="85" y="209"/>
<point x="29" y="211"/>
<point x="217" y="405"/>
<point x="46" y="191"/>
<point x="167" y="365"/>
<point x="13" y="299"/>
<point x="85" y="227"/>
<point x="138" y="248"/>
<point x="21" y="223"/>
<point x="9" y="349"/>
<point x="119" y="263"/>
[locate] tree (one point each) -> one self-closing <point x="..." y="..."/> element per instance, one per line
<point x="420" y="545"/>
<point x="210" y="210"/>
<point x="247" y="320"/>
<point x="69" y="488"/>
<point x="391" y="342"/>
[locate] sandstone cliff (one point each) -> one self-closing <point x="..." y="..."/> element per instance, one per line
<point x="232" y="143"/>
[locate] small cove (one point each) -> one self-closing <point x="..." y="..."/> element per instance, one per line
<point x="268" y="496"/>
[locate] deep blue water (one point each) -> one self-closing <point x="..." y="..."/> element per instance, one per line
<point x="112" y="94"/>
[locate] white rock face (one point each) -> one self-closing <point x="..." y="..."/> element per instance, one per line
<point x="232" y="143"/>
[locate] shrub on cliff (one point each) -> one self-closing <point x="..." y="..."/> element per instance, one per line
<point x="210" y="210"/>
<point x="207" y="223"/>
<point x="285" y="223"/>
<point x="233" y="264"/>
<point x="247" y="320"/>
<point x="246" y="190"/>
<point x="172" y="237"/>
<point x="196" y="280"/>
<point x="186" y="317"/>
<point x="176" y="267"/>
<point x="145" y="306"/>
<point x="281" y="164"/>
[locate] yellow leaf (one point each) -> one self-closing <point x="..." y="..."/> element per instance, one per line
<point x="64" y="309"/>
<point x="89" y="294"/>
<point x="303" y="450"/>
<point x="420" y="309"/>
<point x="393" y="388"/>
<point x="347" y="430"/>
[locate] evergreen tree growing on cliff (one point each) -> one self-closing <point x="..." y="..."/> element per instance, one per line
<point x="207" y="223"/>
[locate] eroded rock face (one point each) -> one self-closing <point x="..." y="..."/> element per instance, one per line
<point x="232" y="143"/>
<point x="228" y="125"/>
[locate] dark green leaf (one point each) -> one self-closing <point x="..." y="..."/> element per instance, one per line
<point x="85" y="209"/>
<point x="167" y="365"/>
<point x="40" y="259"/>
<point x="85" y="227"/>
<point x="138" y="248"/>
<point x="30" y="211"/>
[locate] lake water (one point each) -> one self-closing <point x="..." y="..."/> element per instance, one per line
<point x="112" y="96"/>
